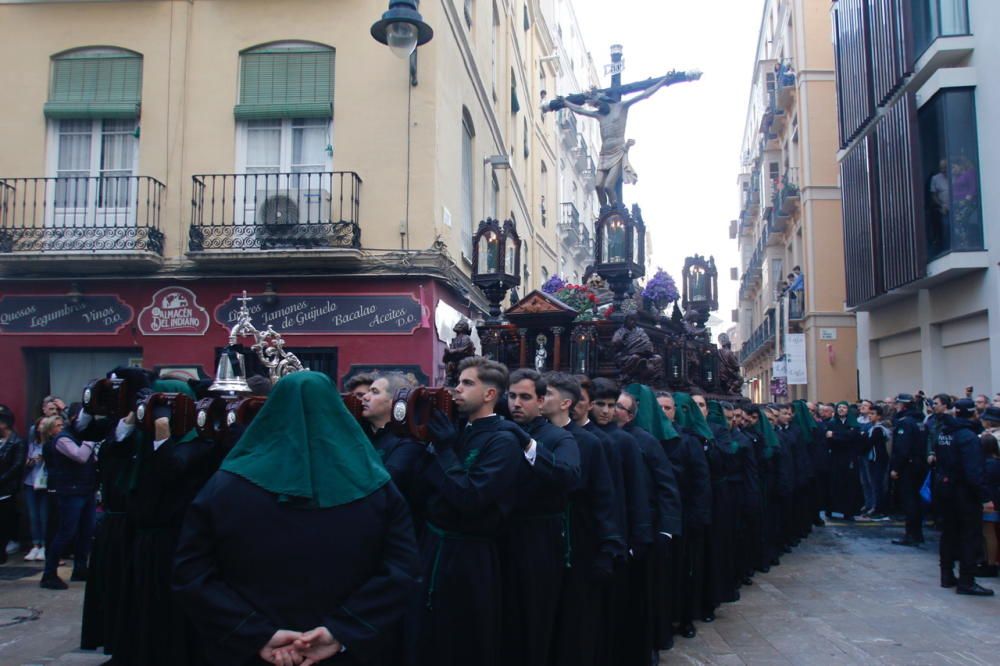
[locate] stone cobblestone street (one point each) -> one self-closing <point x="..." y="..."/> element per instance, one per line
<point x="846" y="596"/>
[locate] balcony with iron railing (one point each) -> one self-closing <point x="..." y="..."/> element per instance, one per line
<point x="796" y="303"/>
<point x="761" y="338"/>
<point x="262" y="214"/>
<point x="567" y="126"/>
<point x="569" y="224"/>
<point x="61" y="223"/>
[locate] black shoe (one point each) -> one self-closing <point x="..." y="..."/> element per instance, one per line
<point x="747" y="580"/>
<point x="667" y="644"/>
<point x="906" y="541"/>
<point x="786" y="550"/>
<point x="688" y="630"/>
<point x="776" y="562"/>
<point x="764" y="569"/>
<point x="795" y="544"/>
<point x="708" y="619"/>
<point x="79" y="576"/>
<point x="948" y="579"/>
<point x="986" y="571"/>
<point x="974" y="589"/>
<point x="53" y="583"/>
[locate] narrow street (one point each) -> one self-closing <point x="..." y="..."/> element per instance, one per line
<point x="846" y="596"/>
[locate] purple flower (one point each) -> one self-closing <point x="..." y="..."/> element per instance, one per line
<point x="553" y="284"/>
<point x="661" y="289"/>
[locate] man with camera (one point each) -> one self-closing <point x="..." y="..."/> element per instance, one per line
<point x="535" y="547"/>
<point x="472" y="475"/>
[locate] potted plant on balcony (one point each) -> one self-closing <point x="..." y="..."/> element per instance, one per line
<point x="660" y="291"/>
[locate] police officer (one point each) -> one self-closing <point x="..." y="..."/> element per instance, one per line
<point x="960" y="497"/>
<point x="907" y="466"/>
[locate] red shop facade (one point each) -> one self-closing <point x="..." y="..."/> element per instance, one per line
<point x="58" y="335"/>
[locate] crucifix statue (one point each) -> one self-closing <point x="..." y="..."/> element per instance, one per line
<point x="610" y="108"/>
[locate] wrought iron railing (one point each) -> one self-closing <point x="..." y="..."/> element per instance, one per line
<point x="81" y="214"/>
<point x="275" y="211"/>
<point x="796" y="304"/>
<point x="763" y="334"/>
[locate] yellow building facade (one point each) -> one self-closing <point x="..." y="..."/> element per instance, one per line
<point x="791" y="280"/>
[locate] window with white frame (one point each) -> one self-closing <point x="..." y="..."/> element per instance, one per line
<point x="93" y="162"/>
<point x="468" y="204"/>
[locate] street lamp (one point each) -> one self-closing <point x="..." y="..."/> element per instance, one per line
<point x="496" y="261"/>
<point x="402" y="28"/>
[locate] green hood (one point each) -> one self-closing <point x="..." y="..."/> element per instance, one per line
<point x="689" y="416"/>
<point x="649" y="416"/>
<point x="803" y="419"/>
<point x="305" y="445"/>
<point x="771" y="441"/>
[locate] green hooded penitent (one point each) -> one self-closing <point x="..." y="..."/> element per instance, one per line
<point x="771" y="441"/>
<point x="724" y="438"/>
<point x="803" y="419"/>
<point x="305" y="445"/>
<point x="649" y="416"/>
<point x="689" y="415"/>
<point x="852" y="413"/>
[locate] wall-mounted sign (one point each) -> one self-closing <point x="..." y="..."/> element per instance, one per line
<point x="94" y="314"/>
<point x="827" y="334"/>
<point x="795" y="358"/>
<point x="174" y="311"/>
<point x="307" y="314"/>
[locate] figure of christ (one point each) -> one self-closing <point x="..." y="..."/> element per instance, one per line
<point x="611" y="112"/>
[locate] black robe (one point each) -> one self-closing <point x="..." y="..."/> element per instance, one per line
<point x="535" y="546"/>
<point x="471" y="490"/>
<point x="248" y="565"/>
<point x="595" y="540"/>
<point x="105" y="608"/>
<point x="750" y="535"/>
<point x="719" y="586"/>
<point x="845" y="480"/>
<point x="168" y="479"/>
<point x="665" y="505"/>
<point x="403" y="459"/>
<point x="696" y="497"/>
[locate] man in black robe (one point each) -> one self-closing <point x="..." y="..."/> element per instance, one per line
<point x="612" y="599"/>
<point x="401" y="456"/>
<point x="844" y="437"/>
<point x="535" y="547"/>
<point x="637" y="405"/>
<point x="626" y="605"/>
<point x="595" y="536"/>
<point x="691" y="468"/>
<point x="166" y="474"/>
<point x="750" y="536"/>
<point x="299" y="547"/>
<point x="472" y="477"/>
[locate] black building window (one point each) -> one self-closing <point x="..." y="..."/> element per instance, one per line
<point x="950" y="170"/>
<point x="937" y="18"/>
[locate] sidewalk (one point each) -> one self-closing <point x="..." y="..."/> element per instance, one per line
<point x="40" y="626"/>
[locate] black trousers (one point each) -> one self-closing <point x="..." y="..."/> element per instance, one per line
<point x="911" y="480"/>
<point x="961" y="517"/>
<point x="8" y="521"/>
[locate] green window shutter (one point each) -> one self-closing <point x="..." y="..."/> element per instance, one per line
<point x="286" y="84"/>
<point x="96" y="86"/>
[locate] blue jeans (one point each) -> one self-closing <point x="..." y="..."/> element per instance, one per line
<point x="38" y="513"/>
<point x="76" y="525"/>
<point x="873" y="481"/>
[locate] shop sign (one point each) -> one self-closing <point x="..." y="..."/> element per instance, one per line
<point x="93" y="314"/>
<point x="309" y="314"/>
<point x="174" y="311"/>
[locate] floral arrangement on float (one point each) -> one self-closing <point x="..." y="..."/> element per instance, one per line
<point x="577" y="296"/>
<point x="660" y="290"/>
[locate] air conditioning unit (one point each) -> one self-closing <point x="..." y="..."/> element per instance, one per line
<point x="293" y="206"/>
<point x="281" y="214"/>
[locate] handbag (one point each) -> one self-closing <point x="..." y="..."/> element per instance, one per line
<point x="925" y="490"/>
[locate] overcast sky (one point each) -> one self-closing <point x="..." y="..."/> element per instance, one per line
<point x="687" y="136"/>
